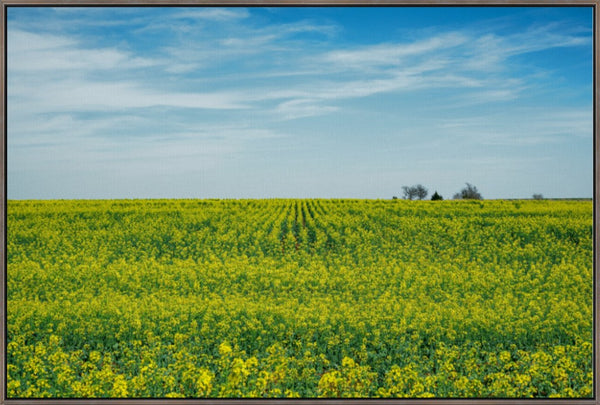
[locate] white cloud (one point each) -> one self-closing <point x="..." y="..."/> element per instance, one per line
<point x="85" y="95"/>
<point x="392" y="53"/>
<point x="441" y="61"/>
<point x="31" y="52"/>
<point x="489" y="52"/>
<point x="19" y="40"/>
<point x="203" y="48"/>
<point x="211" y="13"/>
<point x="300" y="108"/>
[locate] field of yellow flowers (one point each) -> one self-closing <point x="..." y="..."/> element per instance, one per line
<point x="299" y="298"/>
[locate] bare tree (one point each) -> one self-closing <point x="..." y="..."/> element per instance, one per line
<point x="420" y="191"/>
<point x="538" y="197"/>
<point x="468" y="193"/>
<point x="414" y="192"/>
<point x="408" y="193"/>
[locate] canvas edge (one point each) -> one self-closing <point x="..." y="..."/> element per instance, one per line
<point x="300" y="401"/>
<point x="316" y="401"/>
<point x="308" y="2"/>
<point x="3" y="205"/>
<point x="596" y="106"/>
<point x="324" y="2"/>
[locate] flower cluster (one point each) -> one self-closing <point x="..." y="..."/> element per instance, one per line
<point x="299" y="298"/>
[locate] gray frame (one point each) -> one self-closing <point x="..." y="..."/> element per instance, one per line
<point x="216" y="401"/>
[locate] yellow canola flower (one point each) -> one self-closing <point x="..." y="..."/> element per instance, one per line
<point x="277" y="298"/>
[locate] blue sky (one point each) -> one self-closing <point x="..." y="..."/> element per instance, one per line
<point x="281" y="102"/>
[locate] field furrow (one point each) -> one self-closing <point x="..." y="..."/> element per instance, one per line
<point x="305" y="298"/>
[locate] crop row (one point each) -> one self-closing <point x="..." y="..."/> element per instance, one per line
<point x="305" y="298"/>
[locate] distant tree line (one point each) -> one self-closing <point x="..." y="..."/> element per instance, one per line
<point x="469" y="192"/>
<point x="419" y="192"/>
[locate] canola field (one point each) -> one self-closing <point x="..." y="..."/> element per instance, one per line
<point x="299" y="298"/>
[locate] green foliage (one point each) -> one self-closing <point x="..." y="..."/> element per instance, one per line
<point x="436" y="197"/>
<point x="470" y="192"/>
<point x="299" y="298"/>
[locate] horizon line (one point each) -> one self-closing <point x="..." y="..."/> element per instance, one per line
<point x="295" y="198"/>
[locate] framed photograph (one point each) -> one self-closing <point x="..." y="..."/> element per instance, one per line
<point x="299" y="202"/>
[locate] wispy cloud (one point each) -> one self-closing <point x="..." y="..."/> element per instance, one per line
<point x="455" y="59"/>
<point x="212" y="13"/>
<point x="32" y="52"/>
<point x="274" y="48"/>
<point x="393" y="54"/>
<point x="84" y="95"/>
<point x="300" y="108"/>
<point x="216" y="82"/>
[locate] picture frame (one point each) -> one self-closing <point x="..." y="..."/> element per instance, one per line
<point x="7" y="5"/>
